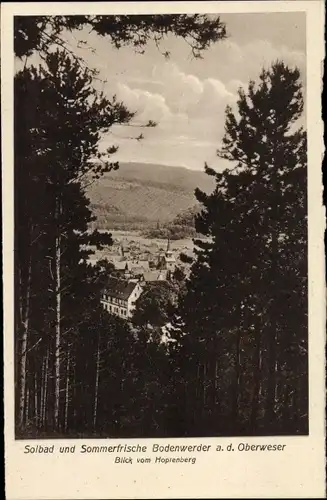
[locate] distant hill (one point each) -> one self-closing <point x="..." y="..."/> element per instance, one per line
<point x="143" y="195"/>
<point x="182" y="226"/>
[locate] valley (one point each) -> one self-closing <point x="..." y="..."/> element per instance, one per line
<point x="145" y="196"/>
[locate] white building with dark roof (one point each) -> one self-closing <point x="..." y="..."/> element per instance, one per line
<point x="119" y="297"/>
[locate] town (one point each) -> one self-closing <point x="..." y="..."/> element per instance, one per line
<point x="137" y="264"/>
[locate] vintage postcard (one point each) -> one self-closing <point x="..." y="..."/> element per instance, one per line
<point x="164" y="280"/>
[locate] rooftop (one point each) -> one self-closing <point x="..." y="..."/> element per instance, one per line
<point x="156" y="275"/>
<point x="170" y="259"/>
<point x="119" y="288"/>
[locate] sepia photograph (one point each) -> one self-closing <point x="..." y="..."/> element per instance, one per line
<point x="160" y="225"/>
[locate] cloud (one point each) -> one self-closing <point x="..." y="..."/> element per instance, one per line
<point x="262" y="52"/>
<point x="147" y="105"/>
<point x="235" y="62"/>
<point x="186" y="96"/>
<point x="188" y="100"/>
<point x="180" y="89"/>
<point x="187" y="93"/>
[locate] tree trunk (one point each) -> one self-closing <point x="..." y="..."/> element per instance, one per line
<point x="277" y="386"/>
<point x="257" y="382"/>
<point x="24" y="344"/>
<point x="96" y="391"/>
<point x="215" y="385"/>
<point x="27" y="404"/>
<point x="204" y="400"/>
<point x="36" y="406"/>
<point x="45" y="389"/>
<point x="58" y="317"/>
<point x="237" y="380"/>
<point x="272" y="340"/>
<point x="195" y="400"/>
<point x="74" y="394"/>
<point x="67" y="391"/>
<point x="271" y="386"/>
<point x="270" y="415"/>
<point x="41" y="392"/>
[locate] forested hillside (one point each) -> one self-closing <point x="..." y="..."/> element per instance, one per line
<point x="182" y="226"/>
<point x="138" y="196"/>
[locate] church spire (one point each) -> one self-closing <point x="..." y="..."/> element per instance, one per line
<point x="168" y="244"/>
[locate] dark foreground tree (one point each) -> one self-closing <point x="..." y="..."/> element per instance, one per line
<point x="59" y="118"/>
<point x="41" y="32"/>
<point x="58" y="121"/>
<point x="246" y="306"/>
<point x="157" y="304"/>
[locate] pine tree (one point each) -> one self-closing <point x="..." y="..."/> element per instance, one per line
<point x="51" y="206"/>
<point x="245" y="308"/>
<point x="59" y="118"/>
<point x="156" y="304"/>
<point x="41" y="32"/>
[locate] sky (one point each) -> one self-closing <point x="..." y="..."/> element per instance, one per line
<point x="187" y="97"/>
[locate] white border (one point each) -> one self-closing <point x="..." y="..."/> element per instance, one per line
<point x="298" y="472"/>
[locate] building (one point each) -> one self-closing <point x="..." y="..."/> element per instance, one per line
<point x="155" y="275"/>
<point x="170" y="261"/>
<point x="116" y="259"/>
<point x="167" y="260"/>
<point x="121" y="265"/>
<point x="119" y="297"/>
<point x="137" y="265"/>
<point x="144" y="263"/>
<point x="137" y="272"/>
